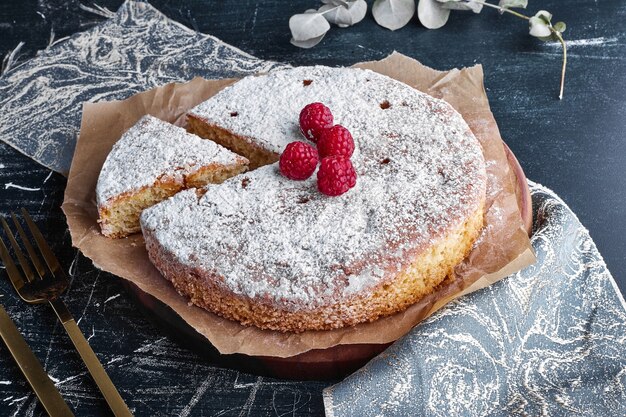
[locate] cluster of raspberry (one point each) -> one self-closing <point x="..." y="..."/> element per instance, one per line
<point x="334" y="147"/>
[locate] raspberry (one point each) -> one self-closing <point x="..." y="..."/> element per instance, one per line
<point x="298" y="161"/>
<point x="314" y="118"/>
<point x="336" y="175"/>
<point x="335" y="141"/>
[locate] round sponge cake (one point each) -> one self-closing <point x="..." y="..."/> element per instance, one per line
<point x="276" y="253"/>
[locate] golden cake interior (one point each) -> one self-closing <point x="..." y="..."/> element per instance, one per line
<point x="119" y="217"/>
<point x="254" y="153"/>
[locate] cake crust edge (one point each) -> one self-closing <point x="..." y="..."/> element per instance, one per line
<point x="419" y="277"/>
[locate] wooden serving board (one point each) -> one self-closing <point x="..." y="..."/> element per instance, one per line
<point x="319" y="364"/>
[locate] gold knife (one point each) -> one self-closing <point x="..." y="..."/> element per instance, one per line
<point x="31" y="368"/>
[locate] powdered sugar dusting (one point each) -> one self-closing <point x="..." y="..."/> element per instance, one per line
<point x="152" y="149"/>
<point x="420" y="172"/>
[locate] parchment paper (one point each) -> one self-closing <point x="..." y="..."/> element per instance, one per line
<point x="502" y="249"/>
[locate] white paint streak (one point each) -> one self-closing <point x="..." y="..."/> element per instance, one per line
<point x="10" y="58"/>
<point x="256" y="10"/>
<point x="19" y="187"/>
<point x="588" y="42"/>
<point x="51" y="38"/>
<point x="18" y="400"/>
<point x="73" y="377"/>
<point x="43" y="201"/>
<point x="2" y="166"/>
<point x="72" y="270"/>
<point x="111" y="298"/>
<point x="98" y="10"/>
<point x="145" y="348"/>
<point x="197" y="396"/>
<point x="238" y="385"/>
<point x="5" y="382"/>
<point x="558" y="54"/>
<point x="70" y="378"/>
<point x="247" y="407"/>
<point x="601" y="41"/>
<point x="49" y="350"/>
<point x="93" y="287"/>
<point x="48" y="177"/>
<point x="117" y="359"/>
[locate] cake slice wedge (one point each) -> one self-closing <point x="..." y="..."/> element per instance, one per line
<point x="152" y="161"/>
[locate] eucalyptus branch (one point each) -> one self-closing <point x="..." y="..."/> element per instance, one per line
<point x="559" y="36"/>
<point x="543" y="19"/>
<point x="500" y="8"/>
<point x="308" y="28"/>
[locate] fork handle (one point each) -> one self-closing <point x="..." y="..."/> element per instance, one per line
<point x="110" y="393"/>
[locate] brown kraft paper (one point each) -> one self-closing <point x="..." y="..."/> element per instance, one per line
<point x="502" y="249"/>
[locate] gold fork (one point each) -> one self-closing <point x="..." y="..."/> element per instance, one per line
<point x="47" y="286"/>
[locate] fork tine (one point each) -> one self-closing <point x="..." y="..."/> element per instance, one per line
<point x="41" y="270"/>
<point x="12" y="271"/>
<point x="45" y="250"/>
<point x="30" y="276"/>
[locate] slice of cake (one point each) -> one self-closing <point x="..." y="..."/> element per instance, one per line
<point x="152" y="161"/>
<point x="276" y="253"/>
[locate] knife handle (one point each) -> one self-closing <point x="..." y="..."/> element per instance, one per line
<point x="99" y="375"/>
<point x="30" y="366"/>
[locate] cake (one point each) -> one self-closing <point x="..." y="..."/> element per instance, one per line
<point x="152" y="161"/>
<point x="277" y="254"/>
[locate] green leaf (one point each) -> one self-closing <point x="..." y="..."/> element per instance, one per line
<point x="308" y="28"/>
<point x="560" y="27"/>
<point x="461" y="5"/>
<point x="308" y="43"/>
<point x="344" y="16"/>
<point x="393" y="14"/>
<point x="539" y="28"/>
<point x="432" y="14"/>
<point x="544" y="15"/>
<point x="511" y="4"/>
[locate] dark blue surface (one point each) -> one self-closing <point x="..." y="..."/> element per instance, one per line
<point x="575" y="146"/>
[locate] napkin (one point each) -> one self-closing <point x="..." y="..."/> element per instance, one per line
<point x="136" y="49"/>
<point x="548" y="340"/>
